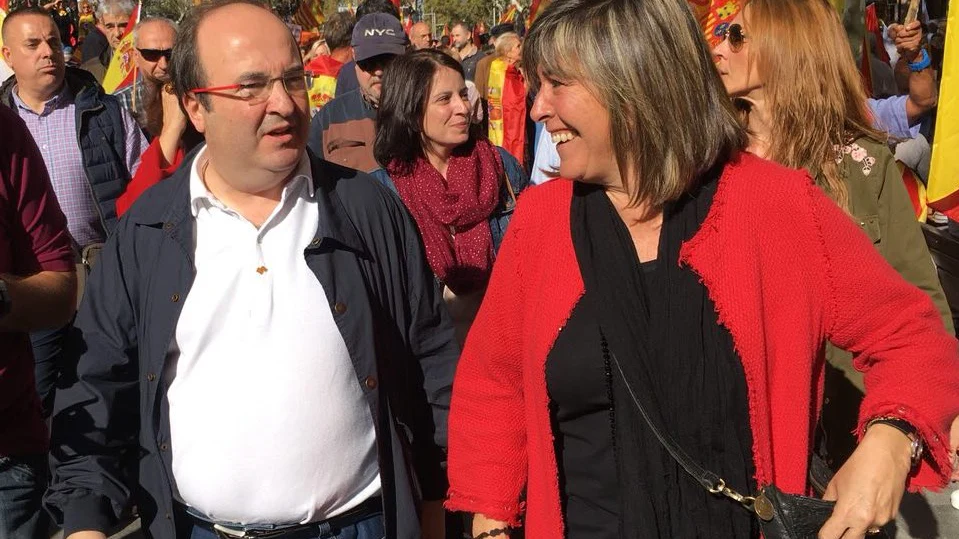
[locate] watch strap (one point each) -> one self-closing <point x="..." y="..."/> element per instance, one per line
<point x="906" y="428"/>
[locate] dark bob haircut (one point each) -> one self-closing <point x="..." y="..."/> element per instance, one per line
<point x="407" y="83"/>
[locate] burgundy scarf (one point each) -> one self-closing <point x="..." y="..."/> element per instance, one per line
<point x="452" y="214"/>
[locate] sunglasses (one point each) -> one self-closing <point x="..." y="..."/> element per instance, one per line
<point x="154" y="55"/>
<point x="734" y="33"/>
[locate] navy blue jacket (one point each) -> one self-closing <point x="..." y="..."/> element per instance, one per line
<point x="499" y="219"/>
<point x="111" y="433"/>
<point x="102" y="139"/>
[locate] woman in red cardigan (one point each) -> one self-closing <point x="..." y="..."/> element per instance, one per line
<point x="700" y="278"/>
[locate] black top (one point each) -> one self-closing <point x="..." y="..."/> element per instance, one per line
<point x="691" y="381"/>
<point x="576" y="378"/>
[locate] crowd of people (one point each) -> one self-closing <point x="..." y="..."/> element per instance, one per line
<point x="379" y="285"/>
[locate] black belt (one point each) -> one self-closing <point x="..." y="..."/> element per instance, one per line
<point x="365" y="510"/>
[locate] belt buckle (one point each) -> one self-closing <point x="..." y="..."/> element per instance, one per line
<point x="229" y="533"/>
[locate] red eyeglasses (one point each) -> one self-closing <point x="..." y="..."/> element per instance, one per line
<point x="256" y="92"/>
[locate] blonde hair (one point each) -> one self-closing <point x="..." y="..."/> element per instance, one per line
<point x="506" y="42"/>
<point x="670" y="118"/>
<point x="817" y="102"/>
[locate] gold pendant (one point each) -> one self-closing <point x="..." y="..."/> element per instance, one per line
<point x="261" y="270"/>
<point x="763" y="507"/>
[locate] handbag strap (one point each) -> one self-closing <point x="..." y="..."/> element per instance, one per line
<point x="709" y="480"/>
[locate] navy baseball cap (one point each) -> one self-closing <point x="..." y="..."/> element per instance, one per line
<point x="376" y="34"/>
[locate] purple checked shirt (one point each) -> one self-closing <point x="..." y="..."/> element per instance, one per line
<point x="55" y="131"/>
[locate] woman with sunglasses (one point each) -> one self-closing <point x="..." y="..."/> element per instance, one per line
<point x="460" y="188"/>
<point x="674" y="272"/>
<point x="821" y="123"/>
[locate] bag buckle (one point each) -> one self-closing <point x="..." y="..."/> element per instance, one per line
<point x="759" y="505"/>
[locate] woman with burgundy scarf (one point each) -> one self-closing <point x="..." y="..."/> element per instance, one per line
<point x="459" y="187"/>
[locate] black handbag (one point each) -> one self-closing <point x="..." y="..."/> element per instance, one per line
<point x="781" y="515"/>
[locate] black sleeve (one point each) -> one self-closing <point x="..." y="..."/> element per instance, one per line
<point x="434" y="349"/>
<point x="96" y="416"/>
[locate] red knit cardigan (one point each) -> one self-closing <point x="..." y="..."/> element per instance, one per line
<point x="787" y="270"/>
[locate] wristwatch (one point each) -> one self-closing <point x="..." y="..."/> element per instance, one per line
<point x="5" y="302"/>
<point x="905" y="427"/>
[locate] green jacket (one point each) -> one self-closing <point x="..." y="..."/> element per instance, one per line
<point x="879" y="203"/>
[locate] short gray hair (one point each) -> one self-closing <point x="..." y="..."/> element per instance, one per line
<point x="150" y="20"/>
<point x="113" y="7"/>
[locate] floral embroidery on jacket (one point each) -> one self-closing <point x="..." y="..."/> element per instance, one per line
<point x="858" y="154"/>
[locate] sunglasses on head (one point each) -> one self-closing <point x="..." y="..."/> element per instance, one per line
<point x="734" y="33"/>
<point x="154" y="55"/>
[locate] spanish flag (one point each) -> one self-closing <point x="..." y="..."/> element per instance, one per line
<point x="122" y="69"/>
<point x="323" y="70"/>
<point x="943" y="189"/>
<point x="506" y="95"/>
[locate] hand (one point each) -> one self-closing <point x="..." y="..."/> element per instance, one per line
<point x="868" y="488"/>
<point x="174" y="119"/>
<point x="87" y="535"/>
<point x="432" y="520"/>
<point x="908" y="39"/>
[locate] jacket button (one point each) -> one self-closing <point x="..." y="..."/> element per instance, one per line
<point x="151" y="377"/>
<point x="175" y="298"/>
<point x="370" y="382"/>
<point x="167" y="226"/>
<point x="340" y="307"/>
<point x="164" y="447"/>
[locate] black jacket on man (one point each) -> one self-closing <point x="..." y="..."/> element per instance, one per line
<point x="102" y="137"/>
<point x="111" y="431"/>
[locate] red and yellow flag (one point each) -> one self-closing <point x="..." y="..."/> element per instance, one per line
<point x="324" y="70"/>
<point x="310" y="15"/>
<point x="509" y="16"/>
<point x="122" y="69"/>
<point x="714" y="17"/>
<point x="535" y="9"/>
<point x="916" y="190"/>
<point x="943" y="189"/>
<point x="506" y="95"/>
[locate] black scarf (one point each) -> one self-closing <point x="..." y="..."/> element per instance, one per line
<point x="661" y="325"/>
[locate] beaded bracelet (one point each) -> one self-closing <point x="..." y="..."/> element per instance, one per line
<point x="493" y="533"/>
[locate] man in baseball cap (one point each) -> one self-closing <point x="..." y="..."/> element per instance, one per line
<point x="343" y="130"/>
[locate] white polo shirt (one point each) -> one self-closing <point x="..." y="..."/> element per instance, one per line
<point x="268" y="422"/>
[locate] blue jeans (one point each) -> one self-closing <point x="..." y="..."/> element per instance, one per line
<point x="22" y="482"/>
<point x="369" y="528"/>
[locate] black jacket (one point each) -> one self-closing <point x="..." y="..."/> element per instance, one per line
<point x="111" y="431"/>
<point x="102" y="137"/>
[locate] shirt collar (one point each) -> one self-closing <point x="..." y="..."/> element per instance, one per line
<point x="200" y="196"/>
<point x="61" y="99"/>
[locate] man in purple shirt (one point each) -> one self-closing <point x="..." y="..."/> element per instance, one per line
<point x="89" y="141"/>
<point x="37" y="291"/>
